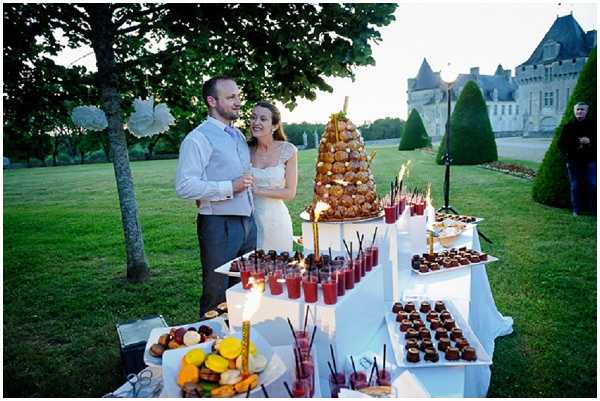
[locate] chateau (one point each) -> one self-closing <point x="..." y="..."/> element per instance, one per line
<point x="529" y="103"/>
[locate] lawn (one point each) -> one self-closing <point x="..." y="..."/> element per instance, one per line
<point x="65" y="287"/>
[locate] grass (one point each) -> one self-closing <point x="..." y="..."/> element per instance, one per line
<point x="65" y="287"/>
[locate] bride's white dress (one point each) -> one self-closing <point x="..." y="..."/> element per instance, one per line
<point x="273" y="221"/>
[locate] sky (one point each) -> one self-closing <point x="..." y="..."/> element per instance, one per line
<point x="468" y="34"/>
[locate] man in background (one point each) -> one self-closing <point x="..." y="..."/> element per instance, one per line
<point x="578" y="144"/>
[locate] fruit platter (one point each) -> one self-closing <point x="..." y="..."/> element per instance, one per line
<point x="163" y="339"/>
<point x="214" y="369"/>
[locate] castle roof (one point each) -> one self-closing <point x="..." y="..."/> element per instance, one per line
<point x="488" y="83"/>
<point x="573" y="41"/>
<point x="426" y="79"/>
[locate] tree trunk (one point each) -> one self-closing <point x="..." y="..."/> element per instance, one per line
<point x="102" y="38"/>
<point x="81" y="157"/>
<point x="55" y="150"/>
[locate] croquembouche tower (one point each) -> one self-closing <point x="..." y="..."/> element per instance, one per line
<point x="343" y="178"/>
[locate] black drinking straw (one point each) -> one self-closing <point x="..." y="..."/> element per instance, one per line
<point x="287" y="388"/>
<point x="312" y="338"/>
<point x="376" y="368"/>
<point x="293" y="332"/>
<point x="384" y="349"/>
<point x="359" y="243"/>
<point x="306" y="315"/>
<point x="353" y="366"/>
<point x="297" y="364"/>
<point x="333" y="358"/>
<point x="350" y="250"/>
<point x="371" y="374"/>
<point x="264" y="390"/>
<point x="332" y="373"/>
<point x="346" y="246"/>
<point x="330" y="258"/>
<point x="374" y="234"/>
<point x="255" y="260"/>
<point x="248" y="391"/>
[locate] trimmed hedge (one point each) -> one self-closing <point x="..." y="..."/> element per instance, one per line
<point x="551" y="186"/>
<point x="414" y="135"/>
<point x="472" y="140"/>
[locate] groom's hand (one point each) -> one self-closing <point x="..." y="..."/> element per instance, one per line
<point x="243" y="183"/>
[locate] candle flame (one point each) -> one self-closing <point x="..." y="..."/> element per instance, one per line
<point x="404" y="171"/>
<point x="253" y="299"/>
<point x="320" y="207"/>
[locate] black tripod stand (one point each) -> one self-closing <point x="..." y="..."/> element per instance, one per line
<point x="447" y="161"/>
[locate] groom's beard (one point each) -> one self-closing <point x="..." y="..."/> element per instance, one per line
<point x="229" y="115"/>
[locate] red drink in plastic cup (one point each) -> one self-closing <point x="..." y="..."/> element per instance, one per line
<point x="340" y="279"/>
<point x="398" y="212"/>
<point x="245" y="273"/>
<point x="384" y="378"/>
<point x="358" y="380"/>
<point x="363" y="265"/>
<point x="349" y="276"/>
<point x="368" y="260"/>
<point x="357" y="270"/>
<point x="259" y="278"/>
<point x="292" y="281"/>
<point x="308" y="374"/>
<point x="336" y="383"/>
<point x="329" y="291"/>
<point x="402" y="204"/>
<point x="275" y="285"/>
<point x="374" y="252"/>
<point x="390" y="214"/>
<point x="299" y="389"/>
<point x="309" y="287"/>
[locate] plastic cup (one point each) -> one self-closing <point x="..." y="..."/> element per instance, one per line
<point x="259" y="277"/>
<point x="336" y="383"/>
<point x="358" y="380"/>
<point x="402" y="204"/>
<point x="299" y="389"/>
<point x="368" y="260"/>
<point x="390" y="214"/>
<point x="340" y="279"/>
<point x="329" y="286"/>
<point x="374" y="252"/>
<point x="275" y="284"/>
<point x="357" y="270"/>
<point x="292" y="282"/>
<point x="349" y="275"/>
<point x="245" y="273"/>
<point x="384" y="378"/>
<point x="363" y="264"/>
<point x="309" y="287"/>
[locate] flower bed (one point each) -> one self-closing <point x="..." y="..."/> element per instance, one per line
<point x="512" y="169"/>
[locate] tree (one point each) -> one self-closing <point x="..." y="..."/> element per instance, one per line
<point x="551" y="185"/>
<point x="174" y="47"/>
<point x="471" y="138"/>
<point x="414" y="135"/>
<point x="382" y="128"/>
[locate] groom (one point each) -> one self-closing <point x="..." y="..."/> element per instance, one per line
<point x="213" y="169"/>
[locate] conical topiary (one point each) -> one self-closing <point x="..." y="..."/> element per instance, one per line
<point x="551" y="185"/>
<point x="343" y="178"/>
<point x="414" y="135"/>
<point x="472" y="140"/>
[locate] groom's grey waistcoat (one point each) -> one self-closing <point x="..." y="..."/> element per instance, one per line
<point x="229" y="159"/>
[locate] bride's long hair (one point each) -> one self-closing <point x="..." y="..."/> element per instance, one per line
<point x="278" y="134"/>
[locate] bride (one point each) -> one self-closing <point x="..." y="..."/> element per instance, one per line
<point x="275" y="171"/>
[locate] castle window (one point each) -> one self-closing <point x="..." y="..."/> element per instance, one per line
<point x="517" y="109"/>
<point x="510" y="109"/>
<point x="548" y="99"/>
<point x="548" y="73"/>
<point x="502" y="109"/>
<point x="495" y="109"/>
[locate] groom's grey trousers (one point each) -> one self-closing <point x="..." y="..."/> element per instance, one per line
<point x="221" y="239"/>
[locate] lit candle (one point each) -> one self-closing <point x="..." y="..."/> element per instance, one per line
<point x="319" y="208"/>
<point x="430" y="242"/>
<point x="251" y="305"/>
<point x="430" y="217"/>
